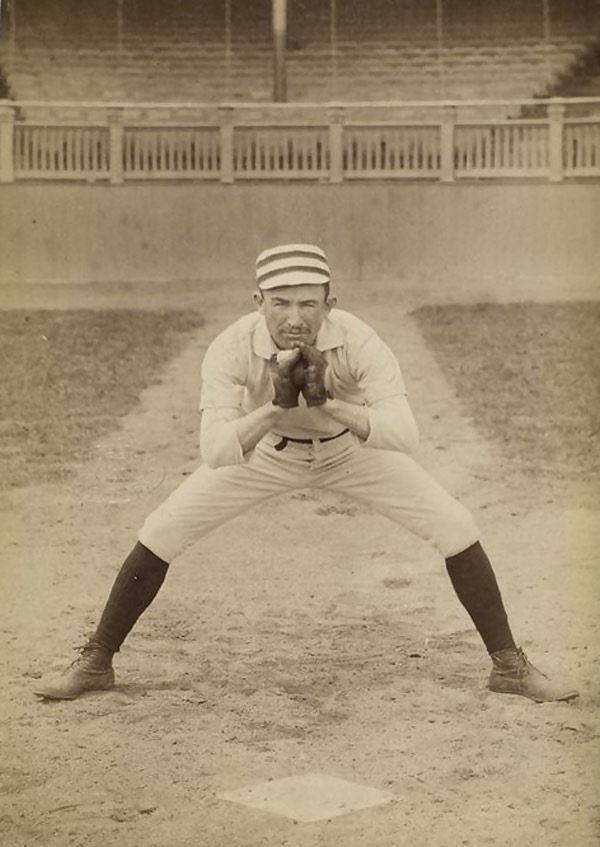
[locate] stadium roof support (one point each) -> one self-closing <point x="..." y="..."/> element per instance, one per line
<point x="279" y="40"/>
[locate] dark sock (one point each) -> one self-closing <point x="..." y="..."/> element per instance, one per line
<point x="475" y="584"/>
<point x="137" y="584"/>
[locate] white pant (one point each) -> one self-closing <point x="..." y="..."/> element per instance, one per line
<point x="391" y="483"/>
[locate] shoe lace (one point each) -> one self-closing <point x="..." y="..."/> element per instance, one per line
<point x="83" y="652"/>
<point x="525" y="664"/>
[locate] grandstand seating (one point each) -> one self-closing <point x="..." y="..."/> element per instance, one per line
<point x="214" y="50"/>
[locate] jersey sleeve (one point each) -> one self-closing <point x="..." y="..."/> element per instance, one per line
<point x="221" y="396"/>
<point x="377" y="371"/>
<point x="392" y="424"/>
<point x="223" y="377"/>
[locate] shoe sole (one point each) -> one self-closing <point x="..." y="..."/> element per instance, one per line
<point x="55" y="695"/>
<point x="571" y="695"/>
<point x="44" y="695"/>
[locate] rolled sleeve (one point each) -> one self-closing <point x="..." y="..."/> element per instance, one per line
<point x="219" y="444"/>
<point x="223" y="378"/>
<point x="392" y="426"/>
<point x="221" y="397"/>
<point x="377" y="370"/>
<point x="221" y="401"/>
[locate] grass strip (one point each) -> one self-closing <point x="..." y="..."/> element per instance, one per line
<point x="529" y="377"/>
<point x="68" y="376"/>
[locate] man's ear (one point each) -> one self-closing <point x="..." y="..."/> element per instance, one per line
<point x="259" y="300"/>
<point x="331" y="303"/>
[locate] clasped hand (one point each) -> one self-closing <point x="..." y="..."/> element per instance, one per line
<point x="300" y="369"/>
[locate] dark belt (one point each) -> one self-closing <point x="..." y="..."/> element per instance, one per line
<point x="281" y="445"/>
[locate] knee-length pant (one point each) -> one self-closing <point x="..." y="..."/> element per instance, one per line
<point x="391" y="483"/>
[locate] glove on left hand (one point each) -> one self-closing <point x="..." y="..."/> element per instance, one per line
<point x="315" y="365"/>
<point x="287" y="376"/>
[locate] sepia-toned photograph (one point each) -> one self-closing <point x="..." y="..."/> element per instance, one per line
<point x="299" y="423"/>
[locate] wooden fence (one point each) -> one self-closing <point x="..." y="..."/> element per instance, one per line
<point x="327" y="144"/>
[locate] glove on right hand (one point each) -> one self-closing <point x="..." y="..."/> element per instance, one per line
<point x="315" y="365"/>
<point x="287" y="376"/>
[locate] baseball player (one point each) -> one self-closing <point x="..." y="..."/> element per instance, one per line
<point x="299" y="394"/>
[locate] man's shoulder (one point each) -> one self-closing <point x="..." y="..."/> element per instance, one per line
<point x="351" y="326"/>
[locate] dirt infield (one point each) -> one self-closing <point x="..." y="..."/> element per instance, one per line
<point x="309" y="637"/>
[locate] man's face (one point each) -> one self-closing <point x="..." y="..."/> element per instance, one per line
<point x="293" y="313"/>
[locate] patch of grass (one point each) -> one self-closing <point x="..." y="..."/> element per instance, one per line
<point x="68" y="376"/>
<point x="529" y="377"/>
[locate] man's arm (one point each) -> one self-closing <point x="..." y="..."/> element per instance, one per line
<point x="387" y="425"/>
<point x="225" y="437"/>
<point x="354" y="418"/>
<point x="226" y="433"/>
<point x="251" y="428"/>
<point x="386" y="421"/>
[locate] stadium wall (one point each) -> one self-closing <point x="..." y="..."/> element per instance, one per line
<point x="429" y="236"/>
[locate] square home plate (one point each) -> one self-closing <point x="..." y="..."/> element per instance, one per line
<point x="312" y="797"/>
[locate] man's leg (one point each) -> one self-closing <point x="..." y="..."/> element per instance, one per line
<point x="396" y="486"/>
<point x="475" y="584"/>
<point x="136" y="585"/>
<point x="205" y="500"/>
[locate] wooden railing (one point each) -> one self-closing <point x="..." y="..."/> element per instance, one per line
<point x="439" y="141"/>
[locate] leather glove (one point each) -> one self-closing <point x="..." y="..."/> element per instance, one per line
<point x="287" y="376"/>
<point x="315" y="365"/>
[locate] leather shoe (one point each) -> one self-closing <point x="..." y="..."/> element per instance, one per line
<point x="513" y="673"/>
<point x="91" y="671"/>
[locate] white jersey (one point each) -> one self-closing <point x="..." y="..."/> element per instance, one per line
<point x="362" y="370"/>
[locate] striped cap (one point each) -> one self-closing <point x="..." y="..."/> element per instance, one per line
<point x="292" y="264"/>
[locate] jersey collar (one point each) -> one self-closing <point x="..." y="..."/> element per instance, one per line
<point x="330" y="336"/>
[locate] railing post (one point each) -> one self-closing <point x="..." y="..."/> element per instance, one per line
<point x="447" y="144"/>
<point x="336" y="144"/>
<point x="116" y="136"/>
<point x="226" y="122"/>
<point x="556" y="117"/>
<point x="7" y="134"/>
